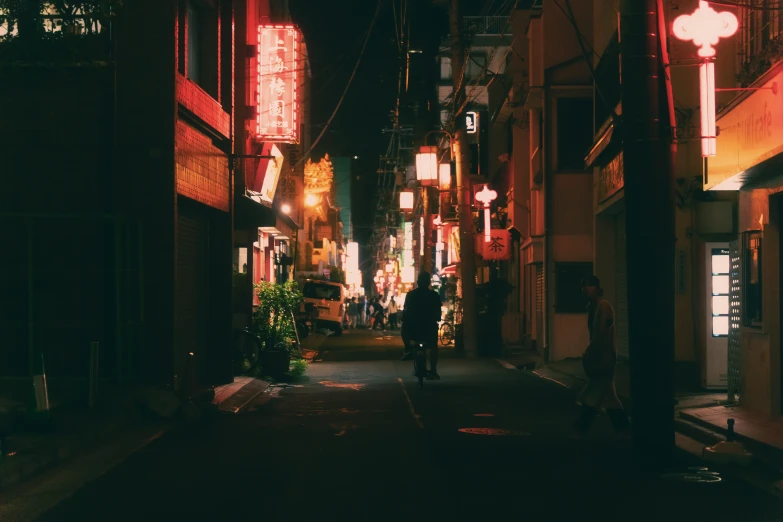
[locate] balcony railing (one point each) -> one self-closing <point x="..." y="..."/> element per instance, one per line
<point x="760" y="41"/>
<point x="491" y="25"/>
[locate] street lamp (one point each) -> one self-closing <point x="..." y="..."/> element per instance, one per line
<point x="285" y="208"/>
<point x="486" y="196"/>
<point x="406" y="200"/>
<point x="427" y="165"/>
<point x="311" y="200"/>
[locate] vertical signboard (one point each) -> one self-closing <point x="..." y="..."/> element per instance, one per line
<point x="718" y="289"/>
<point x="278" y="105"/>
<point x="471" y="122"/>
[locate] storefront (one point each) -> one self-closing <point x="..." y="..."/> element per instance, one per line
<point x="749" y="161"/>
<point x="609" y="247"/>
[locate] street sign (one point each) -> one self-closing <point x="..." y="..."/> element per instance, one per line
<point x="327" y="272"/>
<point x="471" y="122"/>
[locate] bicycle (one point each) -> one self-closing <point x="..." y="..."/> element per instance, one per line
<point x="446" y="333"/>
<point x="247" y="352"/>
<point x="420" y="363"/>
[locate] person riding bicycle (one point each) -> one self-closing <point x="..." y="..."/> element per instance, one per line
<point x="420" y="319"/>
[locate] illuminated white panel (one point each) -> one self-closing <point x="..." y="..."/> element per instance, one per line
<point x="720" y="325"/>
<point x="720" y="305"/>
<point x="720" y="285"/>
<point x="720" y="265"/>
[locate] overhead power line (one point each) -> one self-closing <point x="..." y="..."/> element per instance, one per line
<point x="348" y="86"/>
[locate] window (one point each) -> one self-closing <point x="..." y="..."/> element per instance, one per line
<point x="475" y="66"/>
<point x="321" y="291"/>
<point x="568" y="287"/>
<point x="574" y="132"/>
<point x="445" y="68"/>
<point x="752" y="278"/>
<point x="202" y="46"/>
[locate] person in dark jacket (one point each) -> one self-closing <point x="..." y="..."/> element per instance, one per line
<point x="420" y="319"/>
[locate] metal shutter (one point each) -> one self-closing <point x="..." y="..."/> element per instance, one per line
<point x="735" y="318"/>
<point x="192" y="294"/>
<point x="621" y="289"/>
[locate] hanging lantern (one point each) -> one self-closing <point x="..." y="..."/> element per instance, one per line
<point x="427" y="165"/>
<point x="444" y="175"/>
<point x="406" y="200"/>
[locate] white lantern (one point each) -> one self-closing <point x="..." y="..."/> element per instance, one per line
<point x="427" y="165"/>
<point x="406" y="200"/>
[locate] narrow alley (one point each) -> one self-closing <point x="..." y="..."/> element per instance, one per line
<point x="357" y="440"/>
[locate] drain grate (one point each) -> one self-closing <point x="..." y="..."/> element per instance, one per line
<point x="694" y="478"/>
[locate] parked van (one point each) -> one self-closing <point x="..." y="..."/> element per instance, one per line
<point x="329" y="300"/>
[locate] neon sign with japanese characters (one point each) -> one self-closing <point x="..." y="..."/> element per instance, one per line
<point x="278" y="106"/>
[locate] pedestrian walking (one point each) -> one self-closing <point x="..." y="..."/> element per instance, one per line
<point x="379" y="315"/>
<point x="599" y="361"/>
<point x="363" y="311"/>
<point x="370" y="315"/>
<point x="393" y="314"/>
<point x="353" y="313"/>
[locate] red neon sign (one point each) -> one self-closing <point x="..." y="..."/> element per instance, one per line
<point x="278" y="106"/>
<point x="705" y="27"/>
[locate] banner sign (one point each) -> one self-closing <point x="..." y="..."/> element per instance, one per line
<point x="498" y="248"/>
<point x="271" y="173"/>
<point x="278" y="106"/>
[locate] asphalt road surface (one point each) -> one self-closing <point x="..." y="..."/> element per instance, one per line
<point x="358" y="441"/>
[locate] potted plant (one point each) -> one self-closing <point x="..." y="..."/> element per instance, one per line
<point x="274" y="324"/>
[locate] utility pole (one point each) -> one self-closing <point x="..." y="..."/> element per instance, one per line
<point x="426" y="259"/>
<point x="649" y="208"/>
<point x="458" y="144"/>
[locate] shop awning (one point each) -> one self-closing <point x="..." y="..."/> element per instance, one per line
<point x="450" y="270"/>
<point x="607" y="144"/>
<point x="252" y="214"/>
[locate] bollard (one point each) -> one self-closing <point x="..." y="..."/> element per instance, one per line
<point x="730" y="436"/>
<point x="94" y="374"/>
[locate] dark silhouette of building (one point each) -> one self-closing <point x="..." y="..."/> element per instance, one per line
<point x="117" y="201"/>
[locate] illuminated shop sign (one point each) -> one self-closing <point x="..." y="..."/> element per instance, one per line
<point x="278" y="106"/>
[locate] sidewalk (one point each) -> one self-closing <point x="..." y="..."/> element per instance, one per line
<point x="38" y="442"/>
<point x="701" y="420"/>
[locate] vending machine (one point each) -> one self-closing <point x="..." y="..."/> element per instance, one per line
<point x="718" y="289"/>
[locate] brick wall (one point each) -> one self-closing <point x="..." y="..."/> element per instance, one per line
<point x="202" y="105"/>
<point x="202" y="168"/>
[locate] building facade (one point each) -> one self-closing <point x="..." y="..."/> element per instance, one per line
<point x="269" y="180"/>
<point x="747" y="166"/>
<point x="144" y="190"/>
<point x="542" y="131"/>
<point x="704" y="220"/>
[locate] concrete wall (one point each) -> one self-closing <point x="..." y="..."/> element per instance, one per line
<point x="569" y="222"/>
<point x="761" y="347"/>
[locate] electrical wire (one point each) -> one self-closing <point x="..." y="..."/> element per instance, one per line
<point x="475" y="83"/>
<point x="768" y="7"/>
<point x="347" y="87"/>
<point x="587" y="57"/>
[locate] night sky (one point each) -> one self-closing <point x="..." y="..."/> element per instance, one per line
<point x="334" y="32"/>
